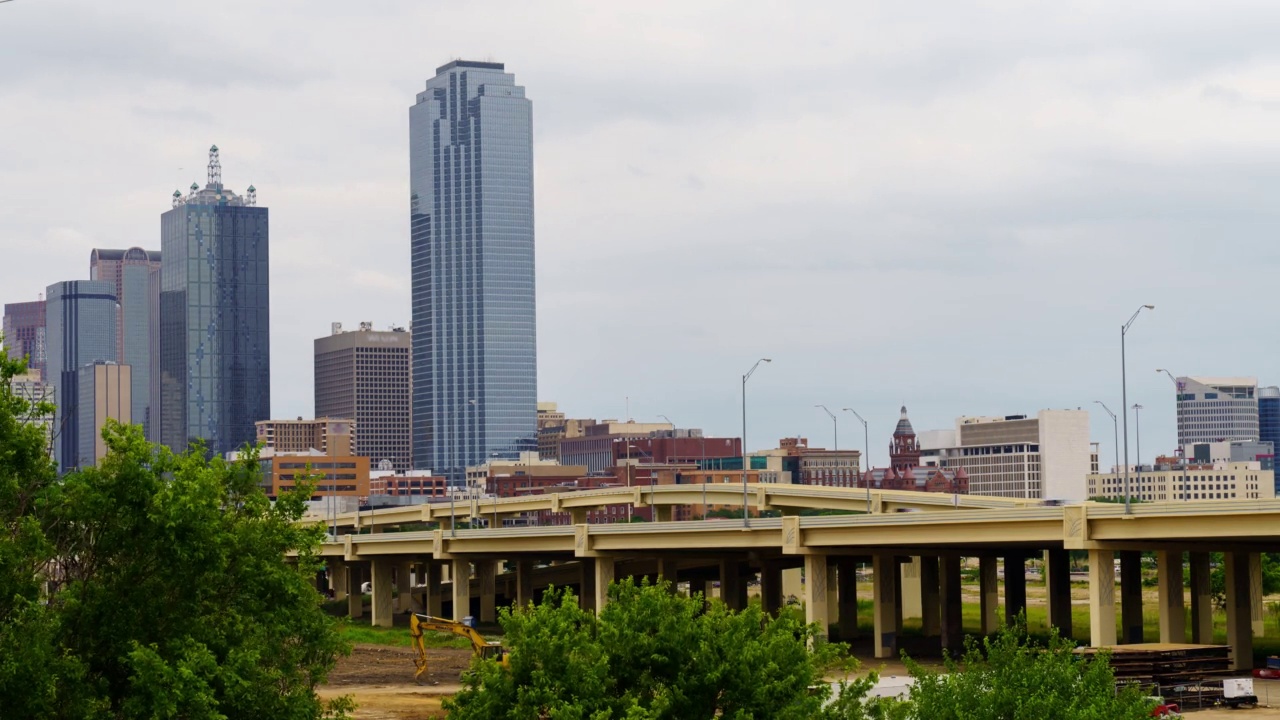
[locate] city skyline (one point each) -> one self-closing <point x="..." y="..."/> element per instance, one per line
<point x="959" y="224"/>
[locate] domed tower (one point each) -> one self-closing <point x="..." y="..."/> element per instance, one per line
<point x="904" y="452"/>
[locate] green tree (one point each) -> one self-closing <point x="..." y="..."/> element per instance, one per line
<point x="653" y="654"/>
<point x="1012" y="677"/>
<point x="155" y="585"/>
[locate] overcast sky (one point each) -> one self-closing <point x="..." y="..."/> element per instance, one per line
<point x="948" y="205"/>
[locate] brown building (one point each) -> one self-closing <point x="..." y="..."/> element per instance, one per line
<point x="412" y="483"/>
<point x="365" y="375"/>
<point x="554" y="427"/>
<point x="906" y="473"/>
<point x="105" y="393"/>
<point x="338" y="475"/>
<point x="819" y="466"/>
<point x="327" y="436"/>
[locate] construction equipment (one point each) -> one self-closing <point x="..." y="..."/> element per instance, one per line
<point x="419" y="623"/>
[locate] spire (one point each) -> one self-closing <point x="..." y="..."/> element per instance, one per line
<point x="215" y="169"/>
<point x="904" y="425"/>
<point x="251" y="198"/>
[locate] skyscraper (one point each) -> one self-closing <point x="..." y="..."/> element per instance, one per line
<point x="363" y="375"/>
<point x="104" y="395"/>
<point x="24" y="332"/>
<point x="215" y="343"/>
<point x="474" y="328"/>
<point x="130" y="271"/>
<point x="1269" y="416"/>
<point x="80" y="330"/>
<point x="1214" y="409"/>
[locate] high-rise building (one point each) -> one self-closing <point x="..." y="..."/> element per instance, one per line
<point x="1214" y="409"/>
<point x="1269" y="415"/>
<point x="30" y="386"/>
<point x="328" y="436"/>
<point x="130" y="271"/>
<point x="24" y="332"/>
<point x="474" y="334"/>
<point x="105" y="394"/>
<point x="364" y="375"/>
<point x="80" y="330"/>
<point x="215" y="341"/>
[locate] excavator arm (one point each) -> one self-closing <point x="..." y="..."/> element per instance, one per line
<point x="419" y="624"/>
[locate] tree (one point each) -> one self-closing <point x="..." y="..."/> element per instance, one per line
<point x="155" y="585"/>
<point x="1011" y="677"/>
<point x="651" y="653"/>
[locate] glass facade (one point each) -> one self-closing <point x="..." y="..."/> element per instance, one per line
<point x="214" y="332"/>
<point x="24" y="332"/>
<point x="1269" y="416"/>
<point x="129" y="270"/>
<point x="80" y="330"/>
<point x="474" y="328"/>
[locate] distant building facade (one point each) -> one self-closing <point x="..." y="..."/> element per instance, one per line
<point x="1269" y="415"/>
<point x="333" y="475"/>
<point x="905" y="471"/>
<point x="1172" y="481"/>
<point x="599" y="446"/>
<point x="30" y="386"/>
<point x="475" y="373"/>
<point x="327" y="436"/>
<point x="415" y="484"/>
<point x="816" y="466"/>
<point x="80" y="330"/>
<point x="215" y="329"/>
<point x="130" y="271"/>
<point x="24" y="332"/>
<point x="105" y="393"/>
<point x="1213" y="409"/>
<point x="366" y="375"/>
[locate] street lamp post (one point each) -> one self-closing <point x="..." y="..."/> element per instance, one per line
<point x="1115" y="428"/>
<point x="1137" y="432"/>
<point x="866" y="436"/>
<point x="746" y="517"/>
<point x="1124" y="402"/>
<point x="1182" y="453"/>
<point x="835" y="435"/>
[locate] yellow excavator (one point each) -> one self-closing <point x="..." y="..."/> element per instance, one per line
<point x="419" y="623"/>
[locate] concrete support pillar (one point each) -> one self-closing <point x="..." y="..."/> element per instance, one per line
<point x="698" y="586"/>
<point x="1102" y="598"/>
<point x="1057" y="583"/>
<point x="815" y="592"/>
<point x="1130" y="596"/>
<point x="663" y="513"/>
<point x="603" y="576"/>
<point x="930" y="607"/>
<point x="524" y="583"/>
<point x="909" y="598"/>
<point x="951" y="623"/>
<point x="578" y="516"/>
<point x="667" y="571"/>
<point x="792" y="584"/>
<point x="988" y="595"/>
<point x="355" y="599"/>
<point x="771" y="587"/>
<point x="1015" y="586"/>
<point x="1201" y="599"/>
<point x="487" y="573"/>
<point x="383" y="606"/>
<point x="460" y="571"/>
<point x="833" y="595"/>
<point x="847" y="597"/>
<point x="435" y="590"/>
<point x="587" y="584"/>
<point x="1239" y="610"/>
<point x="404" y="586"/>
<point x="1255" y="594"/>
<point x="884" y="600"/>
<point x="1173" y="613"/>
<point x="732" y="589"/>
<point x="338" y="579"/>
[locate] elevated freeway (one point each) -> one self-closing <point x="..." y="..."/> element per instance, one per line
<point x="915" y="557"/>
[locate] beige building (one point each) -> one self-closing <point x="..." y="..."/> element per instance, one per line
<point x="334" y="475"/>
<point x="327" y="436"/>
<point x="553" y="427"/>
<point x="105" y="393"/>
<point x="365" y="375"/>
<point x="30" y="386"/>
<point x="1169" y="482"/>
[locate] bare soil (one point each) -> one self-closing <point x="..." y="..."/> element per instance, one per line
<point x="380" y="679"/>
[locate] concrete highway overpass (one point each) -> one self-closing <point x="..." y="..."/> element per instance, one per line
<point x="915" y="557"/>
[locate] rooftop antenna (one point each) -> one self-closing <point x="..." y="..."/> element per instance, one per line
<point x="194" y="189"/>
<point x="177" y="198"/>
<point x="251" y="198"/>
<point x="215" y="169"/>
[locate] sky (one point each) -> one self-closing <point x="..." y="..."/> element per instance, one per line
<point x="949" y="205"/>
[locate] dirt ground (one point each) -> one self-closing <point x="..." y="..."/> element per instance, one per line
<point x="380" y="679"/>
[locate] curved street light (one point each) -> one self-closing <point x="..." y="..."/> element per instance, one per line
<point x="1124" y="401"/>
<point x="746" y="516"/>
<point x="866" y="436"/>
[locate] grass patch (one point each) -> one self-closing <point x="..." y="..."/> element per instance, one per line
<point x="399" y="637"/>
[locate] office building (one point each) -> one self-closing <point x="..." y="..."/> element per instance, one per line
<point x="1214" y="409"/>
<point x="1229" y="451"/>
<point x="365" y="375"/>
<point x="906" y="471"/>
<point x="105" y="394"/>
<point x="130" y="272"/>
<point x="1269" y="415"/>
<point x="552" y="430"/>
<point x="474" y="331"/>
<point x="1044" y="457"/>
<point x="332" y="475"/>
<point x="604" y="444"/>
<point x="1170" y="480"/>
<point x="30" y="386"/>
<point x="327" y="436"/>
<point x="416" y="485"/>
<point x="215" y="340"/>
<point x="24" y="332"/>
<point x="80" y="330"/>
<point x="814" y="466"/>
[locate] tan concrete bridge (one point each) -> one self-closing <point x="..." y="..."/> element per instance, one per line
<point x="915" y="557"/>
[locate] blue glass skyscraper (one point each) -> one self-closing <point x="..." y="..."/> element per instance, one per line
<point x="80" y="329"/>
<point x="215" y="341"/>
<point x="475" y="369"/>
